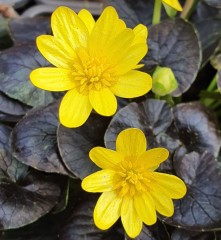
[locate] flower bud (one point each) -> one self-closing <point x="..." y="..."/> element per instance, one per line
<point x="164" y="81"/>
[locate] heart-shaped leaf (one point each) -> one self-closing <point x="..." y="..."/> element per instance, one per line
<point x="174" y="44"/>
<point x="26" y="195"/>
<point x="197" y="128"/>
<point x="34" y="140"/>
<point x="16" y="64"/>
<point x="75" y="143"/>
<point x="200" y="209"/>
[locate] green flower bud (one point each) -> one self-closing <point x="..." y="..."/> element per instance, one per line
<point x="164" y="81"/>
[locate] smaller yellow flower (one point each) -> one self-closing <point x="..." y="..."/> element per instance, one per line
<point x="174" y="4"/>
<point x="131" y="189"/>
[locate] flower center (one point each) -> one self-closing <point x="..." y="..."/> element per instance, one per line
<point x="91" y="73"/>
<point x="132" y="179"/>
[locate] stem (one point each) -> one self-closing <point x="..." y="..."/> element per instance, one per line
<point x="188" y="8"/>
<point x="168" y="98"/>
<point x="213" y="83"/>
<point x="211" y="88"/>
<point x="157" y="12"/>
<point x="157" y="96"/>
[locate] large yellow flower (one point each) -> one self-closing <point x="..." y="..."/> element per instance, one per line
<point x="131" y="189"/>
<point x="174" y="4"/>
<point x="94" y="61"/>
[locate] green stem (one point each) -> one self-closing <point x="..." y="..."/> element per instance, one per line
<point x="157" y="12"/>
<point x="188" y="8"/>
<point x="213" y="83"/>
<point x="169" y="99"/>
<point x="157" y="96"/>
<point x="211" y="88"/>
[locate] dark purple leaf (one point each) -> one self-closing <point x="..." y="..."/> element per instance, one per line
<point x="10" y="109"/>
<point x="174" y="44"/>
<point x="180" y="234"/>
<point x="197" y="128"/>
<point x="27" y="29"/>
<point x="75" y="143"/>
<point x="204" y="11"/>
<point x="16" y="63"/>
<point x="26" y="195"/>
<point x="34" y="140"/>
<point x="209" y="34"/>
<point x="200" y="209"/>
<point x="80" y="225"/>
<point x="9" y="166"/>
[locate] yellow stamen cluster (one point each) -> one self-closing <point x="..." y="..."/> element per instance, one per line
<point x="133" y="179"/>
<point x="91" y="73"/>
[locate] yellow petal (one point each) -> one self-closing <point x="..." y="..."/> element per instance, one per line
<point x="132" y="84"/>
<point x="105" y="158"/>
<point x="119" y="49"/>
<point x="56" y="52"/>
<point x="103" y="101"/>
<point x="134" y="56"/>
<point x="145" y="208"/>
<point x="174" y="4"/>
<point x="130" y="219"/>
<point x="107" y="210"/>
<point x="87" y="18"/>
<point x="69" y="28"/>
<point x="52" y="79"/>
<point x="163" y="203"/>
<point x="100" y="181"/>
<point x="153" y="157"/>
<point x="131" y="142"/>
<point x="107" y="27"/>
<point x="75" y="109"/>
<point x="140" y="34"/>
<point x="172" y="185"/>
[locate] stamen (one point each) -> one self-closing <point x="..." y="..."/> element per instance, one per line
<point x="133" y="178"/>
<point x="91" y="73"/>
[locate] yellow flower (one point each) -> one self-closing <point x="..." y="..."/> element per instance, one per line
<point x="94" y="61"/>
<point x="131" y="189"/>
<point x="174" y="4"/>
